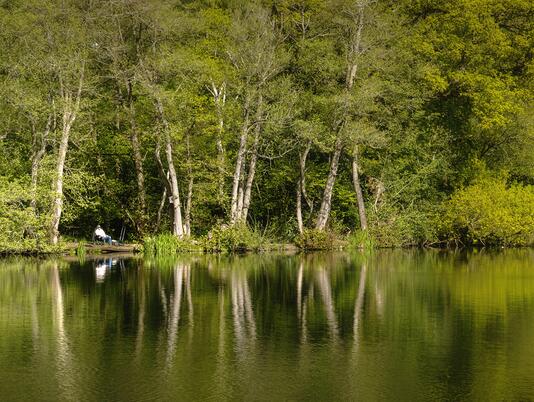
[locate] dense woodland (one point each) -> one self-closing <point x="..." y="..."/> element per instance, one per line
<point x="406" y="122"/>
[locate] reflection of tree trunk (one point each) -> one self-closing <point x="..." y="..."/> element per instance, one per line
<point x="222" y="326"/>
<point x="174" y="313"/>
<point x="359" y="304"/>
<point x="326" y="204"/>
<point x="299" y="289"/>
<point x="222" y="372"/>
<point x="243" y="314"/>
<point x="191" y="322"/>
<point x="140" y="316"/>
<point x="35" y="319"/>
<point x="328" y="301"/>
<point x="64" y="361"/>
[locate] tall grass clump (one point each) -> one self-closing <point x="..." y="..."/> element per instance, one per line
<point x="80" y="250"/>
<point x="235" y="239"/>
<point x="361" y="239"/>
<point x="167" y="245"/>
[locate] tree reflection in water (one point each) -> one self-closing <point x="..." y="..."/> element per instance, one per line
<point x="305" y="326"/>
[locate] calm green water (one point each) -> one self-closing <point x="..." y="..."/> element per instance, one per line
<point x="398" y="325"/>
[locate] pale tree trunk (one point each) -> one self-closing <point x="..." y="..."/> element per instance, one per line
<point x="160" y="209"/>
<point x="354" y="53"/>
<point x="300" y="223"/>
<point x="252" y="163"/>
<point x="326" y="204"/>
<point x="189" y="199"/>
<point x="352" y="68"/>
<point x="177" y="225"/>
<point x="219" y="98"/>
<point x="138" y="163"/>
<point x="358" y="189"/>
<point x="70" y="110"/>
<point x="238" y="166"/>
<point x="241" y="191"/>
<point x="39" y="147"/>
<point x="301" y="186"/>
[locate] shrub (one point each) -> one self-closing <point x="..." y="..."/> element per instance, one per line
<point x="396" y="227"/>
<point x="22" y="230"/>
<point x="490" y="213"/>
<point x="314" y="239"/>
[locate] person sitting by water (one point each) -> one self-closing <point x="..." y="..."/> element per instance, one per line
<point x="101" y="235"/>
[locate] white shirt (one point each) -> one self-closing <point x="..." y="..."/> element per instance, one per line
<point x="100" y="232"/>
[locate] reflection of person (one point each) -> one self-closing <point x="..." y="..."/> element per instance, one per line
<point x="101" y="235"/>
<point x="101" y="272"/>
<point x="102" y="268"/>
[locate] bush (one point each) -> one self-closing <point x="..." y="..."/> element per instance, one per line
<point x="22" y="230"/>
<point x="490" y="213"/>
<point x="396" y="227"/>
<point x="237" y="238"/>
<point x="314" y="239"/>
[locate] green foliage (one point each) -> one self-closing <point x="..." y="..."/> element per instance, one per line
<point x="313" y="239"/>
<point x="440" y="89"/>
<point x="490" y="213"/>
<point x="232" y="239"/>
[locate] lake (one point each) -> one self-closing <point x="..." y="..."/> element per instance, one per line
<point x="389" y="326"/>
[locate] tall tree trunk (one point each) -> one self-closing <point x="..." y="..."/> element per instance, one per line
<point x="139" y="170"/>
<point x="70" y="111"/>
<point x="358" y="189"/>
<point x="300" y="223"/>
<point x="326" y="204"/>
<point x="188" y="205"/>
<point x="189" y="199"/>
<point x="241" y="191"/>
<point x="39" y="147"/>
<point x="219" y="98"/>
<point x="239" y="165"/>
<point x="354" y="53"/>
<point x="160" y="209"/>
<point x="177" y="225"/>
<point x="301" y="186"/>
<point x="253" y="161"/>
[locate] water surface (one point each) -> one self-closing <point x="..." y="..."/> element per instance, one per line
<point x="396" y="325"/>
